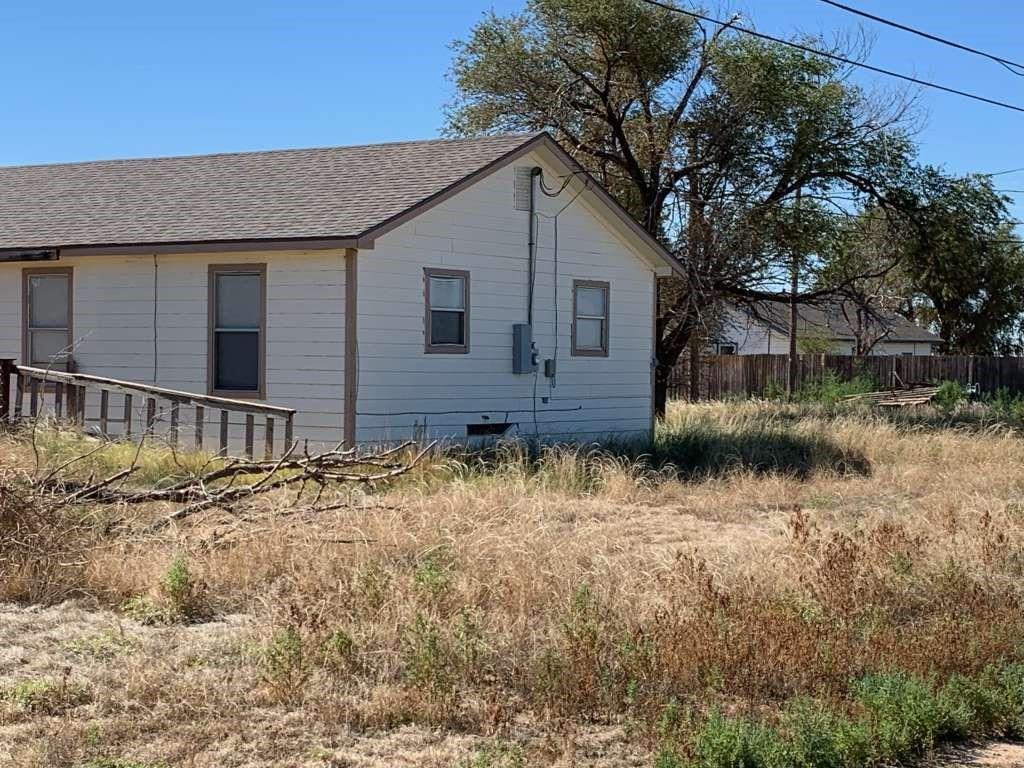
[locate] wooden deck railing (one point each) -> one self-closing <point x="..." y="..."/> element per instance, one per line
<point x="69" y="392"/>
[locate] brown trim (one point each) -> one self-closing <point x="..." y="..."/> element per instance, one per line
<point x="654" y="350"/>
<point x="445" y="349"/>
<point x="603" y="351"/>
<point x="211" y="246"/>
<point x="211" y="320"/>
<point x="351" y="347"/>
<point x="27" y="272"/>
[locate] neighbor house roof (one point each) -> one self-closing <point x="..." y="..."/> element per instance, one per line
<point x="346" y="195"/>
<point x="836" y="320"/>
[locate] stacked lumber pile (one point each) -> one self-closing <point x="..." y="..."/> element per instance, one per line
<point x="898" y="398"/>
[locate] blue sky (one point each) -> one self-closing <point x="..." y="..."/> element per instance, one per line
<point x="127" y="79"/>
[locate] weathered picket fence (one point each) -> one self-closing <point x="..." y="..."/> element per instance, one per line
<point x="86" y="401"/>
<point x="756" y="375"/>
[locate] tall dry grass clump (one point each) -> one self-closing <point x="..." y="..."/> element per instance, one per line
<point x="759" y="556"/>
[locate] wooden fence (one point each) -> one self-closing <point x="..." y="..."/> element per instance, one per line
<point x="80" y="399"/>
<point x="724" y="375"/>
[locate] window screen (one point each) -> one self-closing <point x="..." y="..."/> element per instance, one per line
<point x="590" y="318"/>
<point x="48" y="319"/>
<point x="447" y="295"/>
<point x="238" y="307"/>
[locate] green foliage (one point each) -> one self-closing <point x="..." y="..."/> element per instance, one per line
<point x="45" y="696"/>
<point x="726" y="742"/>
<point x="497" y="754"/>
<point x="830" y="389"/>
<point x="961" y="255"/>
<point x="284" y="663"/>
<point x="950" y="395"/>
<point x="822" y="739"/>
<point x="178" y="597"/>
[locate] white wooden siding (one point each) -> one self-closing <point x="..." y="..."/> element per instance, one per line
<point x="117" y="334"/>
<point x="403" y="391"/>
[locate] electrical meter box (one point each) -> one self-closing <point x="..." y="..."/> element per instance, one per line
<point x="522" y="349"/>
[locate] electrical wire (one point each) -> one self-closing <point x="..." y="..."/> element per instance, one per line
<point x="836" y="57"/>
<point x="1011" y="66"/>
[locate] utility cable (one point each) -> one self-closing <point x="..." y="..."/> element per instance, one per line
<point x="1010" y="65"/>
<point x="837" y="57"/>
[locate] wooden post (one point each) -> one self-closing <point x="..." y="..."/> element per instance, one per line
<point x="71" y="403"/>
<point x="288" y="431"/>
<point x="150" y="414"/>
<point x="33" y="397"/>
<point x="19" y="397"/>
<point x="127" y="417"/>
<point x="250" y="422"/>
<point x="104" y="411"/>
<point x="80" y="402"/>
<point x="268" y="441"/>
<point x="223" y="433"/>
<point x="200" y="424"/>
<point x="6" y="370"/>
<point x="172" y="435"/>
<point x="58" y="401"/>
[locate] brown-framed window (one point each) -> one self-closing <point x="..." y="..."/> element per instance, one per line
<point x="47" y="317"/>
<point x="590" y="302"/>
<point x="446" y="320"/>
<point x="238" y="330"/>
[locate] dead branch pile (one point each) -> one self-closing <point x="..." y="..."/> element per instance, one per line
<point x="225" y="482"/>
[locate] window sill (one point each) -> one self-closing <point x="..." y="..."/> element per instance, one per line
<point x="235" y="394"/>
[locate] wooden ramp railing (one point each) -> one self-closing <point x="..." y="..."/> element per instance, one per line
<point x="34" y="391"/>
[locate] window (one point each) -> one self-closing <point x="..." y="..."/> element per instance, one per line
<point x="589" y="318"/>
<point x="47" y="296"/>
<point x="237" y="297"/>
<point x="447" y="317"/>
<point x="727" y="349"/>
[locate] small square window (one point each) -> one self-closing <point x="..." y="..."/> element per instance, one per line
<point x="447" y="311"/>
<point x="590" y="318"/>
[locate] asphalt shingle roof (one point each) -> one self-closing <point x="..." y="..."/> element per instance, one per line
<point x="336" y="192"/>
<point x="833" y="321"/>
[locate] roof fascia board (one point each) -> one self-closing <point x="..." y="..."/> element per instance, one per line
<point x="211" y="246"/>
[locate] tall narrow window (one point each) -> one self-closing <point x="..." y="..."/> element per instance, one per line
<point x="589" y="318"/>
<point x="47" y="317"/>
<point x="238" y="330"/>
<point x="447" y="317"/>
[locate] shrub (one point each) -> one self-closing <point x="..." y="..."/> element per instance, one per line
<point x="284" y="664"/>
<point x="737" y="742"/>
<point x="950" y="395"/>
<point x="822" y="739"/>
<point x="45" y="696"/>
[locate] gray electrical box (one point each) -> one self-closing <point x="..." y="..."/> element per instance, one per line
<point x="522" y="349"/>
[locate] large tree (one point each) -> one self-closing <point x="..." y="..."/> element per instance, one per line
<point x="704" y="134"/>
<point x="965" y="262"/>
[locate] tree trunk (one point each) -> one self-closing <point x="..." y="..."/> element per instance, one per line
<point x="694" y="369"/>
<point x="794" y="290"/>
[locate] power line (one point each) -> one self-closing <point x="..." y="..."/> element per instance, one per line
<point x="1003" y="173"/>
<point x="837" y="57"/>
<point x="1010" y="65"/>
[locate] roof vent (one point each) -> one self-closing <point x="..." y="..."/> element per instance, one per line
<point x="523" y="187"/>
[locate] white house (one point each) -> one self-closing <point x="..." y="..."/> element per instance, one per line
<point x="382" y="291"/>
<point x="764" y="329"/>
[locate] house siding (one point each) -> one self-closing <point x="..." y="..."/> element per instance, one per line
<point x="755" y="338"/>
<point x="404" y="392"/>
<point x="120" y="333"/>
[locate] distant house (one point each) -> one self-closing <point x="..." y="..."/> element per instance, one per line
<point x="764" y="329"/>
<point x="385" y="291"/>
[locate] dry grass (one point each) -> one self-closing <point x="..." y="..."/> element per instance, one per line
<point x="516" y="611"/>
